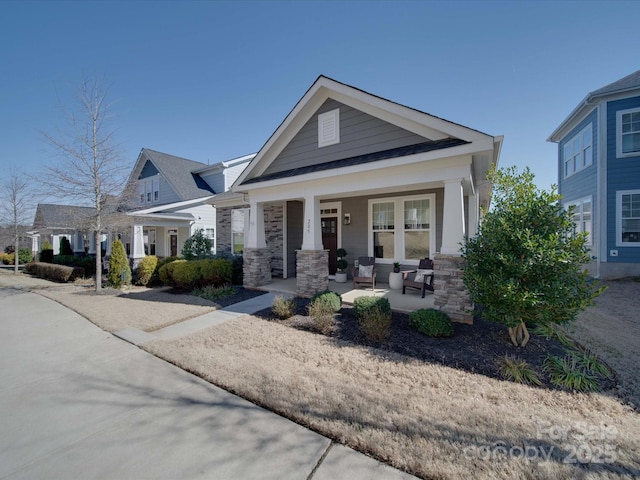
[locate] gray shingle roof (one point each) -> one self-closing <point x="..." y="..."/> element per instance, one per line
<point x="361" y="159"/>
<point x="49" y="215"/>
<point x="626" y="83"/>
<point x="178" y="172"/>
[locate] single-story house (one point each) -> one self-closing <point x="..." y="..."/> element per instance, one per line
<point x="348" y="169"/>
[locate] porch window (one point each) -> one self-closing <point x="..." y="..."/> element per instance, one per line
<point x="416" y="229"/>
<point x="149" y="241"/>
<point x="628" y="221"/>
<point x="383" y="220"/>
<point x="406" y="241"/>
<point x="238" y="217"/>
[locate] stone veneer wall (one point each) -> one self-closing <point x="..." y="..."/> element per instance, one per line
<point x="451" y="295"/>
<point x="223" y="230"/>
<point x="256" y="267"/>
<point x="274" y="236"/>
<point x="312" y="272"/>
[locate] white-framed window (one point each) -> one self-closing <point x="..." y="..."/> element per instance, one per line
<point x="402" y="228"/>
<point x="628" y="133"/>
<point x="156" y="189"/>
<point x="239" y="218"/>
<point x="329" y="128"/>
<point x="628" y="218"/>
<point x="141" y="191"/>
<point x="149" y="236"/>
<point x="578" y="151"/>
<point x="582" y="217"/>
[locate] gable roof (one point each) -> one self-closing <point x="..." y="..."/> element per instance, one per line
<point x="433" y="129"/>
<point x="625" y="84"/>
<point x="49" y="215"/>
<point x="177" y="171"/>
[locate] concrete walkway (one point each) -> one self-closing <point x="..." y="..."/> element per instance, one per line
<point x="77" y="402"/>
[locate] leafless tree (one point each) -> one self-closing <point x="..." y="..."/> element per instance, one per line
<point x="15" y="198"/>
<point x="90" y="171"/>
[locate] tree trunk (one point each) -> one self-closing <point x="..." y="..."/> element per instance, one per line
<point x="98" y="260"/>
<point x="519" y="335"/>
<point x="16" y="258"/>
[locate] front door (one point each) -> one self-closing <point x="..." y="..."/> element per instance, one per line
<point x="330" y="240"/>
<point x="173" y="244"/>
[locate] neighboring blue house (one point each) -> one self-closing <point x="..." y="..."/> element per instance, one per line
<point x="599" y="173"/>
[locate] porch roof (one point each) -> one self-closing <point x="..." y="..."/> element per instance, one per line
<point x="362" y="159"/>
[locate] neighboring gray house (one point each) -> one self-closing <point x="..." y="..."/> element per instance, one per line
<point x="599" y="173"/>
<point x="349" y="169"/>
<point x="52" y="222"/>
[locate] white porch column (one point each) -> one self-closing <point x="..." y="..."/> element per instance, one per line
<point x="137" y="239"/>
<point x="453" y="221"/>
<point x="474" y="214"/>
<point x="109" y="242"/>
<point x="92" y="243"/>
<point x="312" y="233"/>
<point x="34" y="245"/>
<point x="256" y="237"/>
<point x="78" y="243"/>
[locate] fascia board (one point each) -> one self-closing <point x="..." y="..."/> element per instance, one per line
<point x="170" y="206"/>
<point x="461" y="150"/>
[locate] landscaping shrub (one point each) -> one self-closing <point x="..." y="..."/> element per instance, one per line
<point x="330" y="297"/>
<point x="188" y="275"/>
<point x="165" y="272"/>
<point x="46" y="254"/>
<point x="213" y="293"/>
<point x="568" y="372"/>
<point x="197" y="246"/>
<point x="237" y="267"/>
<point x="65" y="247"/>
<point x="155" y="276"/>
<point x="9" y="258"/>
<point x="146" y="268"/>
<point x="85" y="262"/>
<point x="2" y="255"/>
<point x="519" y="371"/>
<point x="374" y="317"/>
<point x="50" y="271"/>
<point x="283" y="307"/>
<point x="321" y="312"/>
<point x="119" y="270"/>
<point x="434" y="323"/>
<point x="24" y="255"/>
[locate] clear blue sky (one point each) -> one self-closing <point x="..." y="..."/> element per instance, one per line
<point x="212" y="80"/>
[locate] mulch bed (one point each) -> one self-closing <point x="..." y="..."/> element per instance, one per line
<point x="476" y="348"/>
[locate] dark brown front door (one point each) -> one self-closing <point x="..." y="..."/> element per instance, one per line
<point x="173" y="243"/>
<point x="330" y="240"/>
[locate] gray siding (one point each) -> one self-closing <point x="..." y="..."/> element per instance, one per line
<point x="360" y="134"/>
<point x="295" y="219"/>
<point x="167" y="193"/>
<point x="215" y="181"/>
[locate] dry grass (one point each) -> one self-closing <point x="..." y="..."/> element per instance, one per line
<point x="431" y="420"/>
<point x="142" y="308"/>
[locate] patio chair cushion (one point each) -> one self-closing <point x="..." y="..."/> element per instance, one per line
<point x="365" y="270"/>
<point x="420" y="273"/>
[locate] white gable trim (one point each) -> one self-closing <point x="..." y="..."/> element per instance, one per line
<point x="412" y="120"/>
<point x="170" y="206"/>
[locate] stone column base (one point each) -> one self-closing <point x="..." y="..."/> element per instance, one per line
<point x="312" y="272"/>
<point x="256" y="267"/>
<point x="451" y="296"/>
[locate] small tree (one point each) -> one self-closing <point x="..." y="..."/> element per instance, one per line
<point x="119" y="270"/>
<point x="65" y="246"/>
<point x="16" y="204"/>
<point x="525" y="266"/>
<point x="197" y="246"/>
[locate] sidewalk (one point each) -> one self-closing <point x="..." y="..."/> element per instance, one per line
<point x="85" y="405"/>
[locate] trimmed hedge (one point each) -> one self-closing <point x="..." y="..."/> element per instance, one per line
<point x="188" y="275"/>
<point x="431" y="322"/>
<point x="146" y="268"/>
<point x="57" y="273"/>
<point x="329" y="297"/>
<point x="374" y="317"/>
<point x="87" y="263"/>
<point x="362" y="306"/>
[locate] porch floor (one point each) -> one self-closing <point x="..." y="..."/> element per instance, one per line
<point x="402" y="303"/>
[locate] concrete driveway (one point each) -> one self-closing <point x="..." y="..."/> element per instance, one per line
<point x="78" y="402"/>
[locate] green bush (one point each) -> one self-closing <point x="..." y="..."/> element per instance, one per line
<point x="519" y="371"/>
<point x="237" y="266"/>
<point x="146" y="268"/>
<point x="46" y="254"/>
<point x="213" y="293"/>
<point x="119" y="269"/>
<point x="65" y="247"/>
<point x="432" y="322"/>
<point x="9" y="258"/>
<point x="329" y="297"/>
<point x="25" y="255"/>
<point x="57" y="273"/>
<point x="374" y="317"/>
<point x="197" y="246"/>
<point x="155" y="276"/>
<point x="165" y="272"/>
<point x="85" y="262"/>
<point x="215" y="272"/>
<point x="283" y="307"/>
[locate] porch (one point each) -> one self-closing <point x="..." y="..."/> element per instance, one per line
<point x="407" y="303"/>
